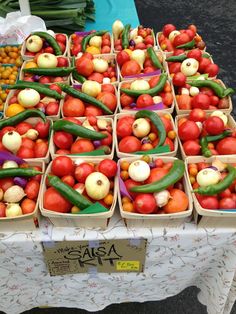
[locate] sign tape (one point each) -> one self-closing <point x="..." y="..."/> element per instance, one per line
<point x="135" y="242"/>
<point x="93" y="243"/>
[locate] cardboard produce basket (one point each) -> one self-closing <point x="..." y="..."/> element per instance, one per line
<point x="231" y="123"/>
<point x="210" y="218"/>
<point x="123" y="155"/>
<point x="99" y="220"/>
<point x="183" y="111"/>
<point x="27" y="222"/>
<point x="26" y="57"/>
<point x="52" y="146"/>
<point x="155" y="109"/>
<point x="11" y="93"/>
<point x="155" y="220"/>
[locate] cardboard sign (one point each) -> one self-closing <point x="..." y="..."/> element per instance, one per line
<point x="98" y="256"/>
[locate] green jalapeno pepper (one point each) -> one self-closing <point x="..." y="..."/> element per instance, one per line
<point x="84" y="97"/>
<point x="212" y="138"/>
<point x="78" y="130"/>
<point x="219" y="90"/>
<point x="152" y="91"/>
<point x="178" y="58"/>
<point x="18" y="172"/>
<point x="156" y="62"/>
<point x="125" y="36"/>
<point x="21" y="116"/>
<point x="51" y="41"/>
<point x="60" y="71"/>
<point x="173" y="176"/>
<point x="220" y="186"/>
<point x="188" y="45"/>
<point x="204" y="147"/>
<point x="87" y="38"/>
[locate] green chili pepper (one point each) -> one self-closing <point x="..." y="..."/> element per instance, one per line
<point x="21" y="116"/>
<point x="152" y="91"/>
<point x="156" y="62"/>
<point x="212" y="138"/>
<point x="89" y="99"/>
<point x="60" y="71"/>
<point x="51" y="41"/>
<point x="41" y="88"/>
<point x="18" y="172"/>
<point x="76" y="76"/>
<point x="78" y="130"/>
<point x="125" y="36"/>
<point x="220" y="186"/>
<point x="87" y="38"/>
<point x="69" y="193"/>
<point x="219" y="90"/>
<point x="206" y="55"/>
<point x="188" y="45"/>
<point x="173" y="176"/>
<point x="204" y="147"/>
<point x="178" y="58"/>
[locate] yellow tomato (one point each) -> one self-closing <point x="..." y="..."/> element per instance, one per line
<point x="30" y="64"/>
<point x="128" y="51"/>
<point x="93" y="50"/>
<point x="14" y="109"/>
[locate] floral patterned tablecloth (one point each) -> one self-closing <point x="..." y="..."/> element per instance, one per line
<point x="176" y="258"/>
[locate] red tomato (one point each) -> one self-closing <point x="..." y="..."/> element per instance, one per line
<point x="23" y="127"/>
<point x="52" y="109"/>
<point x="195" y="54"/>
<point x="140" y="46"/>
<point x="27" y="206"/>
<point x="40" y="149"/>
<point x="108" y="99"/>
<point x="74" y="120"/>
<point x="108" y="88"/>
<point x="108" y="140"/>
<point x="226" y="193"/>
<point x="227" y="203"/>
<point x="122" y="57"/>
<point x="153" y="81"/>
<point x="28" y="143"/>
<point x="145" y="204"/>
<point x="2" y="209"/>
<point x="214" y="125"/>
<point x="53" y="200"/>
<point x="62" y="62"/>
<point x="167" y="124"/>
<point x="209" y="202"/>
<point x="95" y="76"/>
<point x="25" y="152"/>
<point x="61" y="38"/>
<point x="201" y="101"/>
<point x="62" y="46"/>
<point x="188" y="131"/>
<point x="179" y="79"/>
<point x="43" y="129"/>
<point x="73" y="107"/>
<point x="49" y="50"/>
<point x="32" y="189"/>
<point x="84" y="66"/>
<point x="38" y="177"/>
<point x="68" y="180"/>
<point x="175" y="67"/>
<point x="170" y="143"/>
<point x="203" y="63"/>
<point x="76" y="49"/>
<point x="63" y="139"/>
<point x="126" y="100"/>
<point x="178" y="52"/>
<point x="214" y="100"/>
<point x="44" y="80"/>
<point x="62" y="166"/>
<point x="184" y="102"/>
<point x="144" y="100"/>
<point x="191" y="148"/>
<point x="6" y="183"/>
<point x="149" y="40"/>
<point x="227" y="146"/>
<point x="178" y="202"/>
<point x="197" y="114"/>
<point x="167" y="98"/>
<point x="81" y="146"/>
<point x="212" y="69"/>
<point x="91" y="110"/>
<point x="129" y="184"/>
<point x="56" y="88"/>
<point x="181" y="39"/>
<point x="129" y="144"/>
<point x="156" y="174"/>
<point x="130" y="68"/>
<point x="207" y="91"/>
<point x="108" y="167"/>
<point x="82" y="171"/>
<point x="167" y="29"/>
<point x="124" y="126"/>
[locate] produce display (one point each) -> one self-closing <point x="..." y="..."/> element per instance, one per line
<point x="19" y="186"/>
<point x="213" y="184"/>
<point x="88" y="137"/>
<point x="207" y="134"/>
<point x="152" y="186"/>
<point x="94" y="42"/>
<point x="172" y="40"/>
<point x="153" y="94"/>
<point x="80" y="188"/>
<point x="145" y="132"/>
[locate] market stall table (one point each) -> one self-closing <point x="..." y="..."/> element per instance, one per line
<point x="176" y="258"/>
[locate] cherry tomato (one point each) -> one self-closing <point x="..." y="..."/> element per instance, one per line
<point x="108" y="168"/>
<point x="214" y="125"/>
<point x="73" y="107"/>
<point x="56" y="88"/>
<point x="124" y="126"/>
<point x="214" y="100"/>
<point x="175" y="67"/>
<point x="26" y="142"/>
<point x="97" y="77"/>
<point x="23" y="127"/>
<point x="212" y="69"/>
<point x="82" y="171"/>
<point x="197" y="114"/>
<point x="25" y="152"/>
<point x="84" y="66"/>
<point x="179" y="79"/>
<point x="63" y="139"/>
<point x="153" y="81"/>
<point x="188" y="130"/>
<point x="52" y="108"/>
<point x="61" y="38"/>
<point x="129" y="144"/>
<point x="145" y="203"/>
<point x="62" y="166"/>
<point x="74" y="120"/>
<point x="43" y="129"/>
<point x="32" y="189"/>
<point x="81" y="146"/>
<point x="130" y="68"/>
<point x="227" y="146"/>
<point x="37" y="177"/>
<point x="178" y="202"/>
<point x="201" y="101"/>
<point x="203" y="63"/>
<point x="40" y="149"/>
<point x="68" y="179"/>
<point x="191" y="148"/>
<point x="122" y="57"/>
<point x="52" y="200"/>
<point x="144" y="100"/>
<point x="108" y="99"/>
<point x="27" y="206"/>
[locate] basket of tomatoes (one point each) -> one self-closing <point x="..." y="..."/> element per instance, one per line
<point x="43" y="42"/>
<point x="20" y="183"/>
<point x="79" y="193"/>
<point x="212" y="185"/>
<point x="89" y="99"/>
<point x="153" y="191"/>
<point x="153" y="93"/>
<point x="205" y="134"/>
<point x="145" y="133"/>
<point x="94" y="42"/>
<point x="83" y="137"/>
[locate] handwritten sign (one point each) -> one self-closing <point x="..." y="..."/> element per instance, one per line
<point x="104" y="256"/>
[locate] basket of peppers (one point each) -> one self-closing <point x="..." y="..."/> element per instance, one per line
<point x="20" y="183"/>
<point x="79" y="193"/>
<point x="153" y="191"/>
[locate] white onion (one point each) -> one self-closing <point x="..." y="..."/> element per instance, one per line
<point x="14" y="194"/>
<point x="13" y="210"/>
<point x="34" y="43"/>
<point x="138" y="39"/>
<point x="96" y="41"/>
<point x="9" y="164"/>
<point x="172" y="35"/>
<point x="117" y="28"/>
<point x="47" y="61"/>
<point x="141" y="127"/>
<point x="97" y="185"/>
<point x="100" y="65"/>
<point x="140" y="85"/>
<point x="193" y="91"/>
<point x="221" y="115"/>
<point x="157" y="99"/>
<point x="184" y="91"/>
<point x="189" y="66"/>
<point x="139" y="170"/>
<point x="139" y="56"/>
<point x="28" y="97"/>
<point x="32" y="134"/>
<point x="91" y="88"/>
<point x="12" y="141"/>
<point x="208" y="176"/>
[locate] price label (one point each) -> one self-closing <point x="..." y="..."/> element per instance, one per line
<point x="128" y="265"/>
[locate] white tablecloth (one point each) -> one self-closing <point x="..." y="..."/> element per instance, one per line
<point x="176" y="258"/>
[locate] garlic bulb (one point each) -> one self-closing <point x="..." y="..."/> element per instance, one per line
<point x="14" y="194"/>
<point x="31" y="134"/>
<point x="162" y="198"/>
